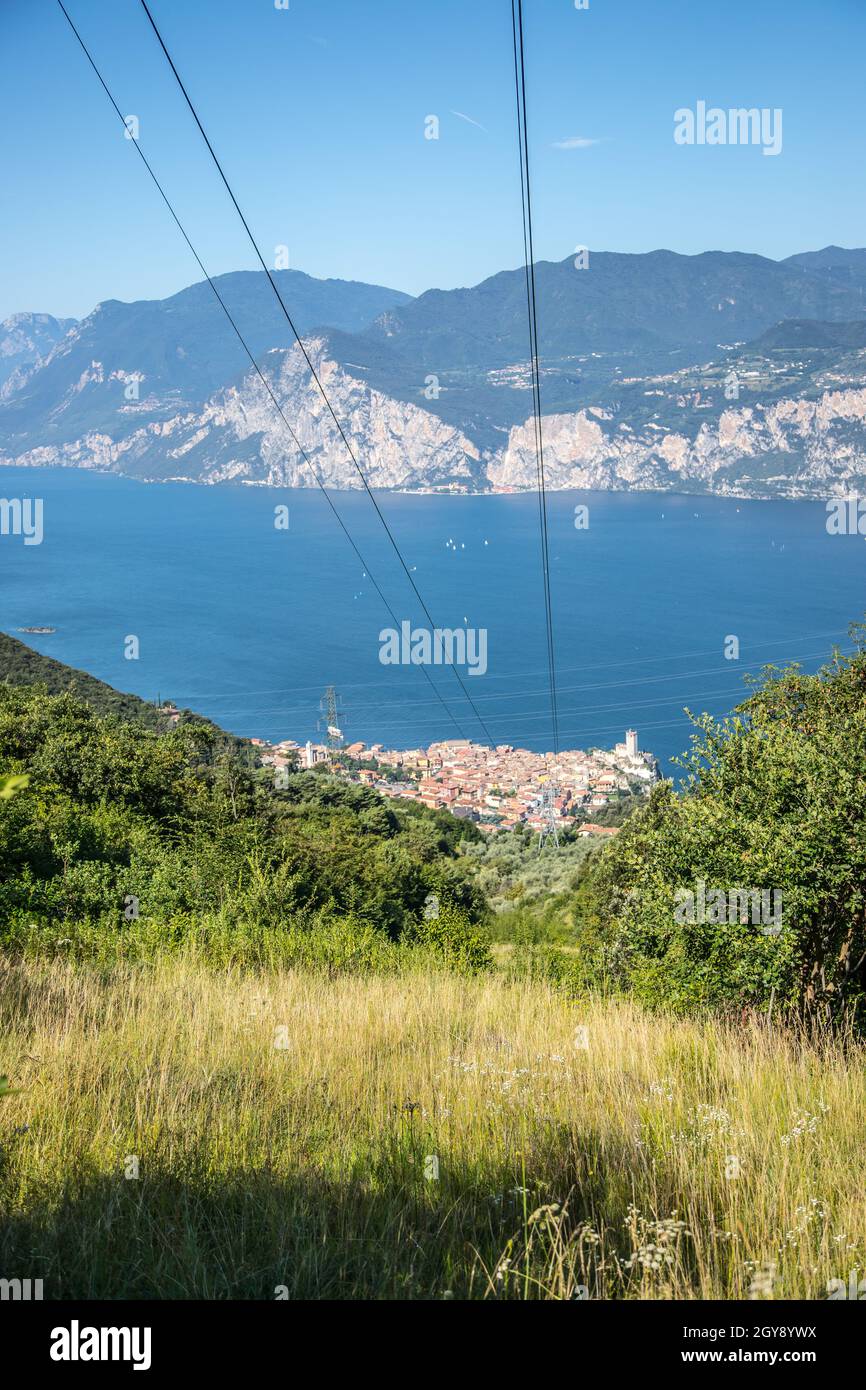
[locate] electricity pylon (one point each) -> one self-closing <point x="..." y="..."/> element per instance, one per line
<point x="330" y="720"/>
<point x="548" y="818"/>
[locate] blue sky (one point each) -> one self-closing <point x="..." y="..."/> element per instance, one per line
<point x="318" y="115"/>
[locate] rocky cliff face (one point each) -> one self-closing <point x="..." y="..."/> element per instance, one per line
<point x="793" y="448"/>
<point x="239" y="436"/>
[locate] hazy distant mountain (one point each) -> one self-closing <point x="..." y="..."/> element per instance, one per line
<point x="179" y="350"/>
<point x="620" y="303"/>
<point x="845" y="267"/>
<point x="623" y="316"/>
<point x="434" y="391"/>
<point x="25" y="338"/>
<point x="811" y="333"/>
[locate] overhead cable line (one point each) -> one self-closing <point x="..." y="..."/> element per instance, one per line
<point x="520" y="717"/>
<point x="254" y="363"/>
<point x="296" y="691"/>
<point x="532" y="315"/>
<point x="523" y="675"/>
<point x="314" y="374"/>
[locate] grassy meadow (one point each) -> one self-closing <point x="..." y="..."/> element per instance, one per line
<point x="287" y="1125"/>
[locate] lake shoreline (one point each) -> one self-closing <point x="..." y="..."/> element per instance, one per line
<point x="265" y="485"/>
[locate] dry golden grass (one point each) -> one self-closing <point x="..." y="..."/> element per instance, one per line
<point x="561" y="1167"/>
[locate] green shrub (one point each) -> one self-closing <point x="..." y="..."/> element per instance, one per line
<point x="450" y="936"/>
<point x="774" y="801"/>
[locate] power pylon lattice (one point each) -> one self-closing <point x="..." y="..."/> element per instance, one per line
<point x="548" y="818"/>
<point x="332" y="717"/>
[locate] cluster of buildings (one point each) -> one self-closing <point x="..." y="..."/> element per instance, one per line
<point x="498" y="788"/>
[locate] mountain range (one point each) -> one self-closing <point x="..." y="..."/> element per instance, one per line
<point x="722" y="372"/>
<point x="25" y="338"/>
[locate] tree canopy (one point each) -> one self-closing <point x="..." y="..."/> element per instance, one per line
<point x="183" y="824"/>
<point x="748" y="886"/>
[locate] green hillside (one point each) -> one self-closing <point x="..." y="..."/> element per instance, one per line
<point x="126" y="836"/>
<point x="21" y="666"/>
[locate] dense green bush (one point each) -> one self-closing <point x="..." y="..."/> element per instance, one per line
<point x="774" y="800"/>
<point x="449" y="935"/>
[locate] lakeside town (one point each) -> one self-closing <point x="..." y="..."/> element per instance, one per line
<point x="500" y="788"/>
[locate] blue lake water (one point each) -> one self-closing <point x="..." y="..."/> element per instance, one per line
<point x="248" y="624"/>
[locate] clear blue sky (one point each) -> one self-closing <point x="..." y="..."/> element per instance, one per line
<point x="318" y="114"/>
